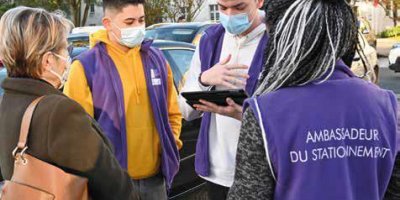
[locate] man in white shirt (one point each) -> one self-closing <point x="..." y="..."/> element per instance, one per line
<point x="229" y="56"/>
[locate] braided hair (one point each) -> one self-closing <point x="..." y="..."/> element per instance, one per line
<point x="307" y="37"/>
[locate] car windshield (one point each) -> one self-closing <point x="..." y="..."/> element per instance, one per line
<point x="173" y="34"/>
<point x="179" y="60"/>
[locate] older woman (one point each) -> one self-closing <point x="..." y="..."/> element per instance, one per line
<point x="33" y="47"/>
<point x="314" y="130"/>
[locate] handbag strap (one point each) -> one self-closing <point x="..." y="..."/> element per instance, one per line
<point x="26" y="123"/>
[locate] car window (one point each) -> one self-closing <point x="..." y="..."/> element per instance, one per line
<point x="173" y="34"/>
<point x="179" y="60"/>
<point x="78" y="41"/>
<point x="151" y="34"/>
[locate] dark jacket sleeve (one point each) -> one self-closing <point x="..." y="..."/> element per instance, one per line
<point x="253" y="178"/>
<point x="76" y="145"/>
<point x="393" y="191"/>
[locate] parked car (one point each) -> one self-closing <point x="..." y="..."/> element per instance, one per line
<point x="372" y="62"/>
<point x="78" y="39"/>
<point x="3" y="75"/>
<point x="86" y="29"/>
<point x="394" y="53"/>
<point x="179" y="55"/>
<point x="186" y="183"/>
<point x="394" y="58"/>
<point x="189" y="32"/>
<point x="366" y="29"/>
<point x="395" y="66"/>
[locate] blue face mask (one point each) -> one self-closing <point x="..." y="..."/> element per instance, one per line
<point x="235" y="24"/>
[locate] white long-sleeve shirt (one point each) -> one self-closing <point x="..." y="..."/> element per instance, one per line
<point x="224" y="131"/>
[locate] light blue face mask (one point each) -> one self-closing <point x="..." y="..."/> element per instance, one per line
<point x="235" y="24"/>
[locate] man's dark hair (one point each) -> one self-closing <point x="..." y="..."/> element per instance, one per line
<point x="120" y="4"/>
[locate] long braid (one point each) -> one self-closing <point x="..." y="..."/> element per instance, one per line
<point x="306" y="41"/>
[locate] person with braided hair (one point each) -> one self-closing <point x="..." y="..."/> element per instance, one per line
<point x="313" y="130"/>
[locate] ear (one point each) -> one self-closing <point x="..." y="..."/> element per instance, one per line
<point x="107" y="23"/>
<point x="260" y="4"/>
<point x="48" y="61"/>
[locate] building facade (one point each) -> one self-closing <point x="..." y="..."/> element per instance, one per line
<point x="208" y="12"/>
<point x="95" y="15"/>
<point x="378" y="18"/>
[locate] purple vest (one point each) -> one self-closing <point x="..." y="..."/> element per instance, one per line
<point x="109" y="108"/>
<point x="210" y="52"/>
<point x="335" y="140"/>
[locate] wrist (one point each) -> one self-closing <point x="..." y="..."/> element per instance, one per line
<point x="201" y="82"/>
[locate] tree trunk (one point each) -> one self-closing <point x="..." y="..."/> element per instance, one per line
<point x="76" y="12"/>
<point x="395" y="14"/>
<point x="86" y="13"/>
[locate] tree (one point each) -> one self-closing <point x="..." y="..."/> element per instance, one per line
<point x="187" y="8"/>
<point x="72" y="8"/>
<point x="46" y="4"/>
<point x="390" y="6"/>
<point x="155" y="10"/>
<point x="75" y="8"/>
<point x="4" y="6"/>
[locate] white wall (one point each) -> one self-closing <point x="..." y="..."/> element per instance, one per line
<point x="204" y="13"/>
<point x="94" y="18"/>
<point x="375" y="15"/>
<point x="202" y="16"/>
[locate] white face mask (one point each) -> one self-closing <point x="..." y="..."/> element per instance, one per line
<point x="131" y="37"/>
<point x="64" y="77"/>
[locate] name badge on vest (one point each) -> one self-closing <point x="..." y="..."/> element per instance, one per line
<point x="155" y="77"/>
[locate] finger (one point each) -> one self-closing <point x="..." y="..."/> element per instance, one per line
<point x="202" y="108"/>
<point x="198" y="106"/>
<point x="226" y="60"/>
<point x="209" y="104"/>
<point x="237" y="74"/>
<point x="229" y="85"/>
<point x="232" y="103"/>
<point x="234" y="81"/>
<point x="214" y="107"/>
<point x="231" y="67"/>
<point x="205" y="108"/>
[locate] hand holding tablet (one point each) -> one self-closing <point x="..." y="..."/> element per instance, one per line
<point x="216" y="97"/>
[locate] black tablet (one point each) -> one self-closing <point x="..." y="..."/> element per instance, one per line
<point x="217" y="97"/>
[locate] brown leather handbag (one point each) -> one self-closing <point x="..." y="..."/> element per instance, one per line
<point x="34" y="179"/>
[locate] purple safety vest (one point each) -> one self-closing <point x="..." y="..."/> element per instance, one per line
<point x="109" y="108"/>
<point x="210" y="52"/>
<point x="335" y="140"/>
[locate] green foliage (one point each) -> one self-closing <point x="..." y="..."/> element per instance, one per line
<point x="49" y="5"/>
<point x="72" y="8"/>
<point x="4" y="7"/>
<point x="155" y="9"/>
<point x="392" y="32"/>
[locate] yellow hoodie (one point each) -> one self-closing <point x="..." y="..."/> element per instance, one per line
<point x="143" y="142"/>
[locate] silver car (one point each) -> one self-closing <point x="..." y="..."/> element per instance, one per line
<point x="372" y="72"/>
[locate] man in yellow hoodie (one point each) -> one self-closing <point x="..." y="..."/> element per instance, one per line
<point x="127" y="86"/>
